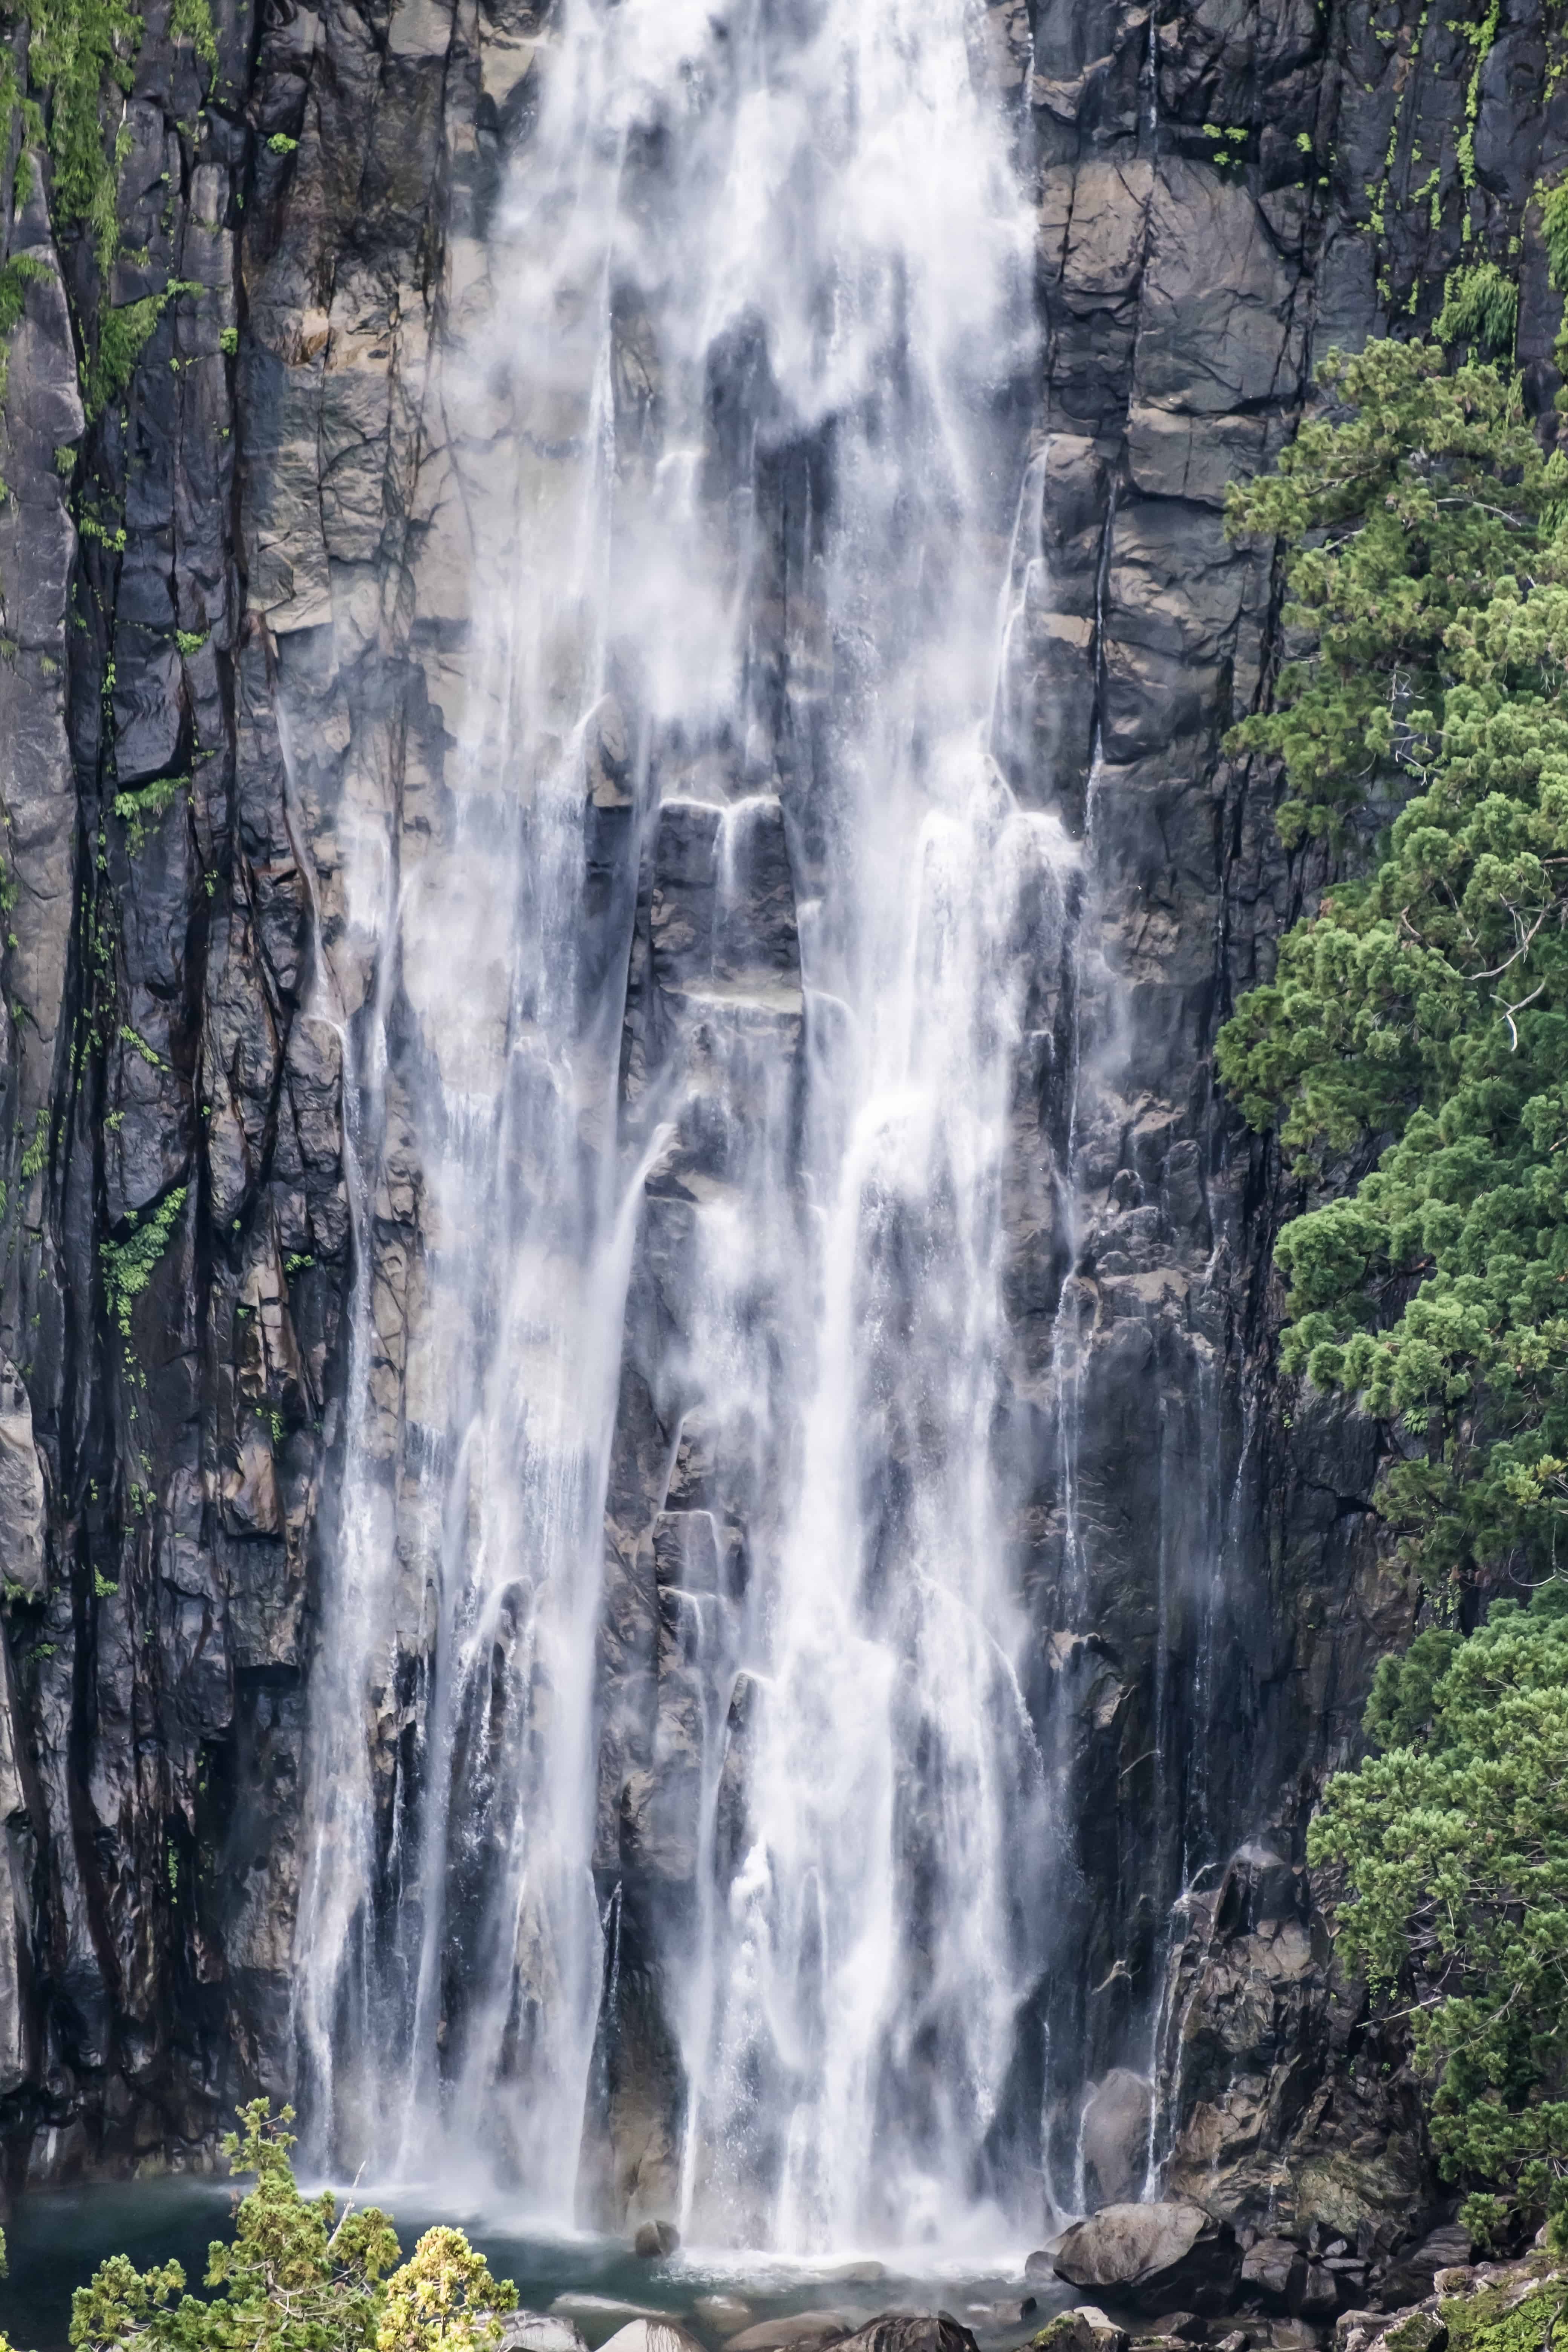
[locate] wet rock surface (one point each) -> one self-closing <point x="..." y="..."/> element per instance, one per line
<point x="235" y="599"/>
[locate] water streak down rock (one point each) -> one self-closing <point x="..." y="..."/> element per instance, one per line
<point x="614" y="795"/>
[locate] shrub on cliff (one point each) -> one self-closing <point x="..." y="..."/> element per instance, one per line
<point x="1413" y="1050"/>
<point x="1419" y="1017"/>
<point x="297" y="2278"/>
<point x="1454" y="1841"/>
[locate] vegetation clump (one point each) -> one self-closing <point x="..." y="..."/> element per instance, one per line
<point x="123" y="332"/>
<point x="1496" y="2320"/>
<point x="1417" y="1026"/>
<point x="128" y="1266"/>
<point x="297" y="2277"/>
<point x="1412" y="1051"/>
<point x="1455" y="1844"/>
<point x="81" y="53"/>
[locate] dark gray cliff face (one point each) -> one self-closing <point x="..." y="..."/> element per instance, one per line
<point x="283" y="483"/>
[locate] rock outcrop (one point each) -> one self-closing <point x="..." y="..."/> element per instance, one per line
<point x="1152" y="2255"/>
<point x="1291" y="2100"/>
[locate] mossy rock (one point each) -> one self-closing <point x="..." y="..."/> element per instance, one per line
<point x="1085" y="2329"/>
<point x="1421" y="2331"/>
<point x="1501" y="2320"/>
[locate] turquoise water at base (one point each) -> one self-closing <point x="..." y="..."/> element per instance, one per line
<point x="58" y="2237"/>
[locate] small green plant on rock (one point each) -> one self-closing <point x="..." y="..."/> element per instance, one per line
<point x="128" y="1266"/>
<point x="192" y="20"/>
<point x="122" y="335"/>
<point x="1480" y="308"/>
<point x="141" y="809"/>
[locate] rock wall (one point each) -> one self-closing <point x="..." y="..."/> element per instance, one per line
<point x="235" y="602"/>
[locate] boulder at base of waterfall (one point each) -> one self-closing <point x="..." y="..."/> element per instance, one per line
<point x="653" y="2336"/>
<point x="726" y="2314"/>
<point x="1042" y="2263"/>
<point x="1086" y="2329"/>
<point x="539" y="2331"/>
<point x="654" y="2240"/>
<point x="1153" y="2256"/>
<point x="811" y="2330"/>
<point x="911" y="2331"/>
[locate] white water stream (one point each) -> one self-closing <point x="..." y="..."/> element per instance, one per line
<point x="740" y="235"/>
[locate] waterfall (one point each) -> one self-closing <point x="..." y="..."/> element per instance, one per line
<point x="693" y="1010"/>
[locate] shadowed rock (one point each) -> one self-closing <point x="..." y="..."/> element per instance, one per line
<point x="911" y="2331"/>
<point x="812" y="2329"/>
<point x="1152" y="2255"/>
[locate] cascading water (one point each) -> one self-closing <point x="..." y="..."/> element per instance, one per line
<point x="748" y="402"/>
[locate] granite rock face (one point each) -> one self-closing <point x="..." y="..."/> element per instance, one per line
<point x="235" y="611"/>
<point x="1152" y="2255"/>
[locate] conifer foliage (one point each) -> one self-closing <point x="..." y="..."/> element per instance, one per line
<point x="1455" y="1839"/>
<point x="1418" y="1019"/>
<point x="1412" y="1050"/>
<point x="298" y="2277"/>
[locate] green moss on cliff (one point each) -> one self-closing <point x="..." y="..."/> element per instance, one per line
<point x="1490" y="2322"/>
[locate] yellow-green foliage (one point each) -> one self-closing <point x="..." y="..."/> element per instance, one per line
<point x="192" y="20"/>
<point x="80" y="54"/>
<point x="298" y="2277"/>
<point x="1486" y="2322"/>
<point x="142" y="809"/>
<point x="442" y="2300"/>
<point x="122" y="334"/>
<point x="127" y="1265"/>
<point x="1554" y="229"/>
<point x="81" y="59"/>
<point x="1480" y="308"/>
